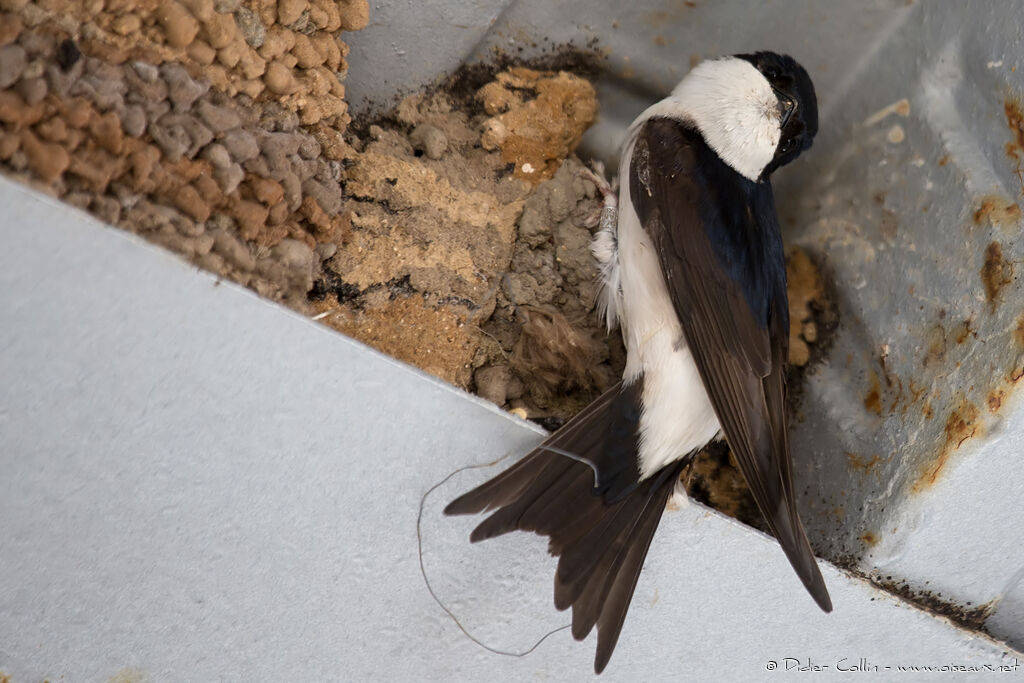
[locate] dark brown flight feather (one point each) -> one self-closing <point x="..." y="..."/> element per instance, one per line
<point x="598" y="517"/>
<point x="718" y="241"/>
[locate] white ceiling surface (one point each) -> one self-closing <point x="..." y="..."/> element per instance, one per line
<point x="201" y="485"/>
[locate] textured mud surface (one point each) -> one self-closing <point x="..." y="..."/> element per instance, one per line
<point x="214" y="128"/>
<point x="452" y="233"/>
<point x="469" y="251"/>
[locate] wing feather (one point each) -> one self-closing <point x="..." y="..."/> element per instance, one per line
<point x="718" y="242"/>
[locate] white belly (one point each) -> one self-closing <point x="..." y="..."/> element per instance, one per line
<point x="677" y="414"/>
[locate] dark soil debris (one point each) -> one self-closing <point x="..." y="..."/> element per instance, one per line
<point x="971" y="618"/>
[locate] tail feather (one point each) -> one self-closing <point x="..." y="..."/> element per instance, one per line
<point x="588" y="586"/>
<point x="581" y="489"/>
<point x="538" y="517"/>
<point x="547" y="485"/>
<point x="498" y="491"/>
<point x="620" y="593"/>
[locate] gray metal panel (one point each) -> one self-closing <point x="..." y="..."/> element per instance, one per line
<point x="890" y="204"/>
<point x="409" y="43"/>
<point x="887" y="204"/>
<point x="200" y="485"/>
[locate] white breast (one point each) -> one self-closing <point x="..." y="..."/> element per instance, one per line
<point x="734" y="108"/>
<point x="677" y="414"/>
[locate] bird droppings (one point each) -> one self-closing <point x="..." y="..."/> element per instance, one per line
<point x="961" y="425"/>
<point x="996" y="273"/>
<point x="900" y="107"/>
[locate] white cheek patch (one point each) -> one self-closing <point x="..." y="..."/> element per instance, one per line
<point x="734" y="107"/>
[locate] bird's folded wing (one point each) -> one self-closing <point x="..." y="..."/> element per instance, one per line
<point x="717" y="238"/>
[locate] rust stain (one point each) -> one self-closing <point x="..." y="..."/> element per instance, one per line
<point x="869" y="538"/>
<point x="1015" y="149"/>
<point x="928" y="411"/>
<point x="936" y="346"/>
<point x="1018" y="333"/>
<point x="998" y="212"/>
<point x="943" y="160"/>
<point x="996" y="273"/>
<point x="964" y="330"/>
<point x="916" y="393"/>
<point x="863" y="465"/>
<point x="873" y="399"/>
<point x="892" y="382"/>
<point x="961" y="425"/>
<point x="659" y="40"/>
<point x="995" y="400"/>
<point x="1015" y="120"/>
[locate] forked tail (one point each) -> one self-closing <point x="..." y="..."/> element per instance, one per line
<point x="580" y="488"/>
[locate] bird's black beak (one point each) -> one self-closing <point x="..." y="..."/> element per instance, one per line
<point x="786" y="107"/>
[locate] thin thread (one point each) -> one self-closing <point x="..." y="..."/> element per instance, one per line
<point x="430" y="588"/>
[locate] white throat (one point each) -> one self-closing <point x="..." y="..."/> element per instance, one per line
<point x="735" y="109"/>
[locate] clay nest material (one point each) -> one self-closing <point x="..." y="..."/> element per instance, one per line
<point x="469" y="252"/>
<point x="453" y="234"/>
<point x="212" y="127"/>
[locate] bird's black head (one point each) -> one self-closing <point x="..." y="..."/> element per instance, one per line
<point x="798" y="105"/>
